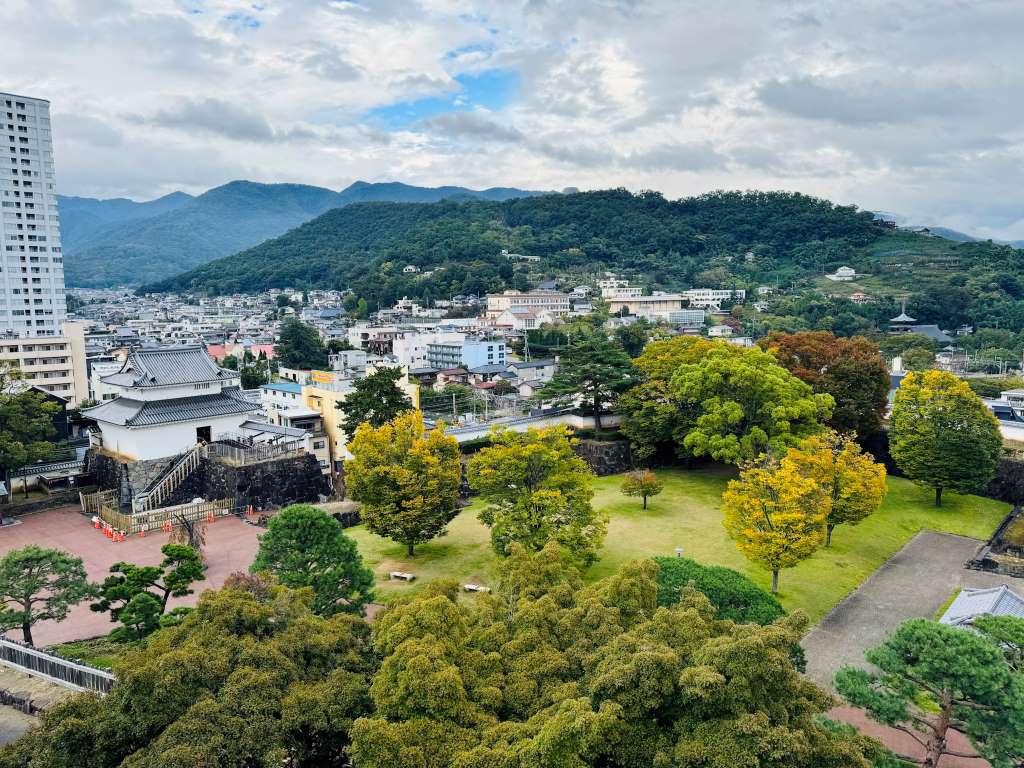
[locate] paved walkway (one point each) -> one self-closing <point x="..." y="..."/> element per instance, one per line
<point x="915" y="582"/>
<point x="230" y="546"/>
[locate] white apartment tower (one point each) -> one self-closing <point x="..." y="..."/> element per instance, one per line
<point x="32" y="302"/>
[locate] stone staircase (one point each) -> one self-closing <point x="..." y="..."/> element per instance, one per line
<point x="167" y="483"/>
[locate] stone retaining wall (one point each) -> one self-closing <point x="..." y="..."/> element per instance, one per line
<point x="605" y="457"/>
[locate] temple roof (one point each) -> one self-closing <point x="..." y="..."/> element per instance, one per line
<point x="125" y="412"/>
<point x="903" y="317"/>
<point x="168" y="366"/>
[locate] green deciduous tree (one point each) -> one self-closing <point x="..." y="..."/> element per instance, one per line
<point x="252" y="678"/>
<point x="537" y="491"/>
<point x="591" y="369"/>
<point x="306" y="547"/>
<point x="642" y="483"/>
<point x="299" y="346"/>
<point x="734" y="596"/>
<point x="851" y="370"/>
<point x="405" y="478"/>
<point x="717" y="399"/>
<point x="932" y="677"/>
<point x="547" y="672"/>
<point x="374" y="400"/>
<point x="918" y="359"/>
<point x="181" y="567"/>
<point x="744" y="403"/>
<point x="942" y="435"/>
<point x="26" y="423"/>
<point x="776" y="514"/>
<point x="37" y="584"/>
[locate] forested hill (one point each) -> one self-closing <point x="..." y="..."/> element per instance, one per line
<point x="118" y="242"/>
<point x="669" y="243"/>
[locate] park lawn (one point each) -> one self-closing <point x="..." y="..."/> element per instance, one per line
<point x="687" y="515"/>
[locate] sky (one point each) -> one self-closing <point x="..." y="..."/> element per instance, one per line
<point x="908" y="106"/>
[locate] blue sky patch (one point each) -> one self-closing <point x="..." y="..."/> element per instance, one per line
<point x="491" y="89"/>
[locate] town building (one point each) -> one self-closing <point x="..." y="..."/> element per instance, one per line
<point x="843" y="275"/>
<point x="55" y="364"/>
<point x="170" y="399"/>
<point x="466" y="353"/>
<point x="687" y="318"/>
<point x="554" y="302"/>
<point x="713" y="297"/>
<point x="658" y="306"/>
<point x="970" y="604"/>
<point x="32" y="301"/>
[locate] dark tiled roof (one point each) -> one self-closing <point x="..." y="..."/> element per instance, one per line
<point x="143" y="413"/>
<point x="168" y="366"/>
<point x="531" y="364"/>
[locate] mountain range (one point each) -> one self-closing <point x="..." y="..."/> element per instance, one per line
<point x="123" y="242"/>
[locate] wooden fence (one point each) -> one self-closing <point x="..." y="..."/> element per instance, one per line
<point x="154" y="519"/>
<point x="70" y="674"/>
<point x="92" y="503"/>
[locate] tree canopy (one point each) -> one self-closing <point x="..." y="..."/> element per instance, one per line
<point x="299" y="346"/>
<point x="942" y="435"/>
<point x="406" y="479"/>
<point x="26" y="423"/>
<point x="719" y="400"/>
<point x="375" y="400"/>
<point x="591" y="369"/>
<point x="306" y="547"/>
<point x="852" y="370"/>
<point x="776" y="514"/>
<point x="37" y="584"/>
<point x="933" y="677"/>
<point x="537" y="491"/>
<point x="251" y="678"/>
<point x="642" y="483"/>
<point x="545" y="671"/>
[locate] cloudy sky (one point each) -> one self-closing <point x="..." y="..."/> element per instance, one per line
<point x="911" y="106"/>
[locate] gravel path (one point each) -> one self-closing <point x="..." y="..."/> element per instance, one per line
<point x="915" y="582"/>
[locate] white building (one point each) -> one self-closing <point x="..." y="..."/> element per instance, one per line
<point x="843" y="275"/>
<point x="169" y="400"/>
<point x="53" y="363"/>
<point x="713" y="297"/>
<point x="32" y="299"/>
<point x="554" y="302"/>
<point x="657" y="306"/>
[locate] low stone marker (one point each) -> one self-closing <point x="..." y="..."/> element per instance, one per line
<point x="402" y="575"/>
<point x="475" y="588"/>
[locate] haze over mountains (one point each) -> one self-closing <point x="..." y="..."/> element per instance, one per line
<point x="123" y="242"/>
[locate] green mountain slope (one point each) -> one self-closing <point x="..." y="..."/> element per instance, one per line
<point x="365" y="246"/>
<point x="84" y="218"/>
<point x="121" y="242"/>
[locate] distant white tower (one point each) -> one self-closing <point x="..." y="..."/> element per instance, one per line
<point x="32" y="301"/>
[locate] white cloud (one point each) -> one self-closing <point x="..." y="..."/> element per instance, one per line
<point x="905" y="105"/>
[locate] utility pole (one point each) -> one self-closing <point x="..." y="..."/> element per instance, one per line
<point x="455" y="416"/>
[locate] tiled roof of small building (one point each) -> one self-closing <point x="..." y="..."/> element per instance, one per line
<point x="168" y="366"/>
<point x="126" y="412"/>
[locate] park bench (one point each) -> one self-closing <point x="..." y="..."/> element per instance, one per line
<point x="475" y="588"/>
<point x="402" y="575"/>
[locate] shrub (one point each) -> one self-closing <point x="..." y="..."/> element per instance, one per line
<point x="734" y="596"/>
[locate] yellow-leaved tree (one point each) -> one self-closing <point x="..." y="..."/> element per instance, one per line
<point x="776" y="514"/>
<point x="405" y="478"/>
<point x="852" y="480"/>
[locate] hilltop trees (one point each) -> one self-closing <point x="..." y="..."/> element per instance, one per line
<point x="538" y="491"/>
<point x="942" y="435"/>
<point x="935" y="677"/>
<point x="592" y="369"/>
<point x="300" y="346"/>
<point x="375" y="400"/>
<point x="406" y="479"/>
<point x="37" y="584"/>
<point x="306" y="547"/>
<point x="850" y="369"/>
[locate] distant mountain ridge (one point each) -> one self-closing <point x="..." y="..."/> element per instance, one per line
<point x="123" y="242"/>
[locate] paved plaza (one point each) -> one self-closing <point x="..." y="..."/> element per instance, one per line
<point x="230" y="546"/>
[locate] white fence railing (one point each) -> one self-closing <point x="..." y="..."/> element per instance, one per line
<point x="70" y="674"/>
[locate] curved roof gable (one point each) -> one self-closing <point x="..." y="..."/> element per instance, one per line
<point x="169" y="366"/>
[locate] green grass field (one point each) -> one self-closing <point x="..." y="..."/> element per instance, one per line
<point x="687" y="515"/>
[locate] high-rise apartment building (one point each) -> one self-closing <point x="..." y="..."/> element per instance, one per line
<point x="32" y="301"/>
